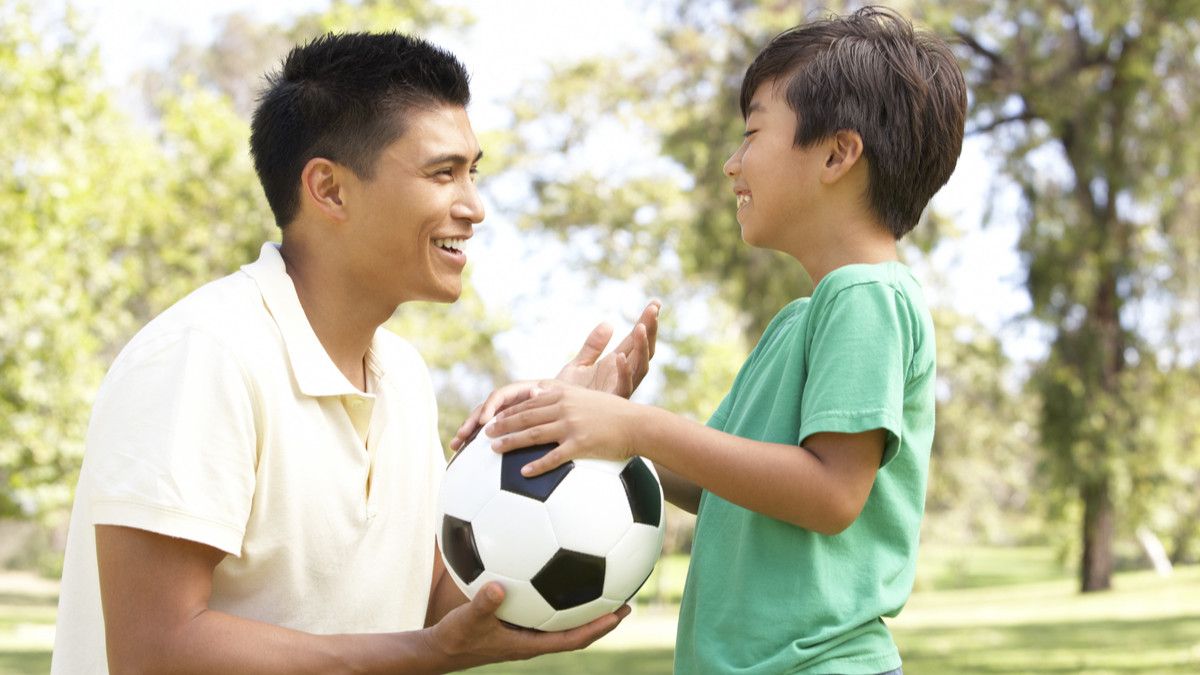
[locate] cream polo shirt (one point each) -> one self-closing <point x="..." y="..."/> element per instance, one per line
<point x="225" y="422"/>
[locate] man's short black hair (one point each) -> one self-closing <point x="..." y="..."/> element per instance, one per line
<point x="343" y="97"/>
<point x="870" y="72"/>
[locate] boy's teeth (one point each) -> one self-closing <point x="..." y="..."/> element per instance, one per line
<point x="742" y="200"/>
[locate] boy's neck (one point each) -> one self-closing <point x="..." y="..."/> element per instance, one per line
<point x="846" y="241"/>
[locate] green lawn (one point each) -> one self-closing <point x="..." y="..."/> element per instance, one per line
<point x="976" y="610"/>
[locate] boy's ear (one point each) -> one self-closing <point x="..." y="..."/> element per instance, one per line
<point x="321" y="185"/>
<point x="844" y="150"/>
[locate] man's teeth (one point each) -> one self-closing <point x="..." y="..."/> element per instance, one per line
<point x="742" y="200"/>
<point x="456" y="244"/>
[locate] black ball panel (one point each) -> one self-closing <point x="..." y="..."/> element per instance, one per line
<point x="458" y="547"/>
<point x="642" y="489"/>
<point x="538" y="487"/>
<point x="570" y="579"/>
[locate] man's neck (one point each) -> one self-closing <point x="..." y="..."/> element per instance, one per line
<point x="341" y="317"/>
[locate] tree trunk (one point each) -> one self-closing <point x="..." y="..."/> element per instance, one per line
<point x="1098" y="518"/>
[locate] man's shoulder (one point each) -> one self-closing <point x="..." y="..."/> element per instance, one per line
<point x="228" y="310"/>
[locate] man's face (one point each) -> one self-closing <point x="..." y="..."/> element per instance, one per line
<point x="774" y="181"/>
<point x="411" y="220"/>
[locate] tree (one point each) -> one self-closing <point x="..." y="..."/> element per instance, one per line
<point x="1088" y="106"/>
<point x="105" y="222"/>
<point x="663" y="218"/>
<point x="457" y="341"/>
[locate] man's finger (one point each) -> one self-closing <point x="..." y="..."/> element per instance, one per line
<point x="650" y="321"/>
<point x="593" y="346"/>
<point x="468" y="428"/>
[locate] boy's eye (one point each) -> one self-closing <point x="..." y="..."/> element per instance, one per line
<point x="749" y="132"/>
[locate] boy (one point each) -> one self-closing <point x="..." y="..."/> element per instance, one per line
<point x="809" y="479"/>
<point x="259" y="487"/>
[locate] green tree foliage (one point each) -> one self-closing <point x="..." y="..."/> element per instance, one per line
<point x="457" y="341"/>
<point x="1090" y="109"/>
<point x="105" y="221"/>
<point x="664" y="219"/>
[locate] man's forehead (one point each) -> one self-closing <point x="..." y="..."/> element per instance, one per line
<point x="442" y="130"/>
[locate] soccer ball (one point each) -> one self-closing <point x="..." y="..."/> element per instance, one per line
<point x="568" y="546"/>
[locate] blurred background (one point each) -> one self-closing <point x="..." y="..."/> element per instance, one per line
<point x="1063" y="260"/>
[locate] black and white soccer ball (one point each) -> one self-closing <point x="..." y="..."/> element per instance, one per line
<point x="568" y="546"/>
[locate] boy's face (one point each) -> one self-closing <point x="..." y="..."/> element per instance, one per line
<point x="775" y="182"/>
<point x="411" y="219"/>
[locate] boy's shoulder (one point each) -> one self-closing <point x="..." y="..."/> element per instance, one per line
<point x="892" y="278"/>
<point x="894" y="274"/>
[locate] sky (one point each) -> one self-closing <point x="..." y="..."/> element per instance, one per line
<point x="512" y="42"/>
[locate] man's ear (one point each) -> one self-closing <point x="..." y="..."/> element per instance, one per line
<point x="322" y="187"/>
<point x="844" y="149"/>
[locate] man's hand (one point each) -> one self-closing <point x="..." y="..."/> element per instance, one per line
<point x="618" y="373"/>
<point x="624" y="368"/>
<point x="471" y="635"/>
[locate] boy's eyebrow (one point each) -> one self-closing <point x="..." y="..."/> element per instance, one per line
<point x="454" y="158"/>
<point x="757" y="106"/>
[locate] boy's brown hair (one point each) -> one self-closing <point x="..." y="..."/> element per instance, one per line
<point x="872" y="73"/>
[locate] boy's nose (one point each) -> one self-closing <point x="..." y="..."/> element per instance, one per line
<point x="733" y="165"/>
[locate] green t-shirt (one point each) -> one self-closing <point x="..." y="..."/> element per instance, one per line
<point x="764" y="596"/>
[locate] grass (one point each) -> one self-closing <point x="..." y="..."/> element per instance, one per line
<point x="976" y="610"/>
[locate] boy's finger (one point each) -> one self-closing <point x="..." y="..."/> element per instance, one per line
<point x="547" y="462"/>
<point x="522" y="420"/>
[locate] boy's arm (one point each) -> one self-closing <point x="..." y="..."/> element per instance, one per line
<point x="678" y="490"/>
<point x="155" y="591"/>
<point x="820" y="485"/>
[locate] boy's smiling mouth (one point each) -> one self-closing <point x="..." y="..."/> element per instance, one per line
<point x="743" y="198"/>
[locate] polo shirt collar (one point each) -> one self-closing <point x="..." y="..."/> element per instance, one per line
<point x="315" y="372"/>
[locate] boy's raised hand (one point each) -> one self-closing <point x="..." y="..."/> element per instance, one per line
<point x="618" y="373"/>
<point x="583" y="422"/>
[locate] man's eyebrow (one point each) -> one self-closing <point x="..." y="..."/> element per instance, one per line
<point x="454" y="158"/>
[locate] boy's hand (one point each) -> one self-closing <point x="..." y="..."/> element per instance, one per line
<point x="618" y="373"/>
<point x="583" y="422"/>
<point x="471" y="635"/>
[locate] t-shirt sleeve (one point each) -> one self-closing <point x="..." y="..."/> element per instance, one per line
<point x="857" y="363"/>
<point x="173" y="442"/>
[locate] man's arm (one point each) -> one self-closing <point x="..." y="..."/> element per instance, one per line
<point x="443" y="592"/>
<point x="155" y="591"/>
<point x="620" y="372"/>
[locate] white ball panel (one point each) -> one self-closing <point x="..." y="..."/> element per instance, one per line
<point x="590" y="511"/>
<point x="522" y="604"/>
<point x="514" y="536"/>
<point x="471" y="480"/>
<point x="627" y="565"/>
<point x="567" y="619"/>
<point x="601" y="465"/>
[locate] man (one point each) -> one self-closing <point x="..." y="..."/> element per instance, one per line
<point x="258" y="490"/>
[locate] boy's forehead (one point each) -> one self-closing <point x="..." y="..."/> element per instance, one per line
<point x="769" y="94"/>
